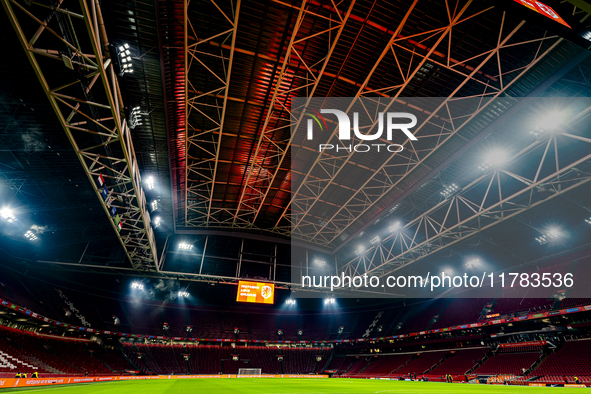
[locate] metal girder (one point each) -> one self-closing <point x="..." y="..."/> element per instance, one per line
<point x="388" y="175"/>
<point x="270" y="153"/>
<point x="75" y="69"/>
<point x="204" y="144"/>
<point x="492" y="198"/>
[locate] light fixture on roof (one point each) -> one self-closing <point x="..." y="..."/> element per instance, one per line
<point x="588" y="220"/>
<point x="329" y="301"/>
<point x="183" y="294"/>
<point x="473" y="263"/>
<point x="549" y="122"/>
<point x="360" y="250"/>
<point x="156" y="222"/>
<point x="375" y="240"/>
<point x="124" y="54"/>
<point x="31" y="236"/>
<point x="150" y="182"/>
<point x="8" y="215"/>
<point x="154" y="205"/>
<point x="135" y="117"/>
<point x="185" y="246"/>
<point x="449" y="190"/>
<point x="320" y="262"/>
<point x="290" y="301"/>
<point x="137" y="285"/>
<point x="548" y="235"/>
<point x="394" y="227"/>
<point x="492" y="159"/>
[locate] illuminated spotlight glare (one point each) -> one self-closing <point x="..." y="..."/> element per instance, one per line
<point x="588" y="221"/>
<point x="360" y="250"/>
<point x="548" y="235"/>
<point x="156" y="222"/>
<point x="30" y="235"/>
<point x="450" y="190"/>
<point x="154" y="205"/>
<point x="448" y="270"/>
<point x="150" y="182"/>
<point x="549" y="122"/>
<point x="137" y="285"/>
<point x="375" y="240"/>
<point x="473" y="263"/>
<point x="183" y="294"/>
<point x="185" y="246"/>
<point x="329" y="301"/>
<point x="8" y="215"/>
<point x="290" y="301"/>
<point x="319" y="262"/>
<point x="493" y="158"/>
<point x="395" y="227"/>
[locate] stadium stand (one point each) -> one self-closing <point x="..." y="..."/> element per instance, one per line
<point x="460" y="362"/>
<point x="572" y="359"/>
<point x="423" y="363"/>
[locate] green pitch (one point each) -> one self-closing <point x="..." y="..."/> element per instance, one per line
<point x="287" y="386"/>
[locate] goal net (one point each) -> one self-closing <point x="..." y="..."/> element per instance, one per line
<point x="248" y="372"/>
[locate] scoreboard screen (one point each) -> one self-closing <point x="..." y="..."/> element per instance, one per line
<point x="256" y="292"/>
<point x="543" y="9"/>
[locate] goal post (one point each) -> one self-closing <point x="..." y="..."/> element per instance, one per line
<point x="248" y="372"/>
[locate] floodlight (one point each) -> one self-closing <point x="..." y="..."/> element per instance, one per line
<point x="549" y="234"/>
<point x="375" y="240"/>
<point x="137" y="285"/>
<point x="290" y="301"/>
<point x="183" y="294"/>
<point x="449" y="190"/>
<point x="329" y="301"/>
<point x="31" y="236"/>
<point x="473" y="263"/>
<point x="156" y="222"/>
<point x="493" y="158"/>
<point x="185" y="246"/>
<point x="550" y="121"/>
<point x="320" y="262"/>
<point x="394" y="227"/>
<point x="154" y="205"/>
<point x="360" y="250"/>
<point x="124" y="54"/>
<point x="135" y="114"/>
<point x="150" y="182"/>
<point x="7" y="214"/>
<point x="588" y="220"/>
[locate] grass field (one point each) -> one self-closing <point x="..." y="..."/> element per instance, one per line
<point x="287" y="386"/>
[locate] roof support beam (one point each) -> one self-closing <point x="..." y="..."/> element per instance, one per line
<point x="90" y="93"/>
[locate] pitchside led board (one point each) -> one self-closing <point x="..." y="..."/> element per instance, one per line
<point x="256" y="292"/>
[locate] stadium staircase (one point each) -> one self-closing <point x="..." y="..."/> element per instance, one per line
<point x="41" y="365"/>
<point x="406" y="363"/>
<point x="72" y="308"/>
<point x="448" y="355"/>
<point x="8" y="361"/>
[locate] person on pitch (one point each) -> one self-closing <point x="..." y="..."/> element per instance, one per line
<point x="18" y="375"/>
<point x="35" y="374"/>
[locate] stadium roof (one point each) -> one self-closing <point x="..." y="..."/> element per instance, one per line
<point x="214" y="82"/>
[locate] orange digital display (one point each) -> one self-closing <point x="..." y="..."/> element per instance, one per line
<point x="257" y="292"/>
<point x="543" y="9"/>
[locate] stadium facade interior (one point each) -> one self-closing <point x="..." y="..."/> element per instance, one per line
<point x="147" y="165"/>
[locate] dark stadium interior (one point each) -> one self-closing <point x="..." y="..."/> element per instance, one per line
<point x="206" y="195"/>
